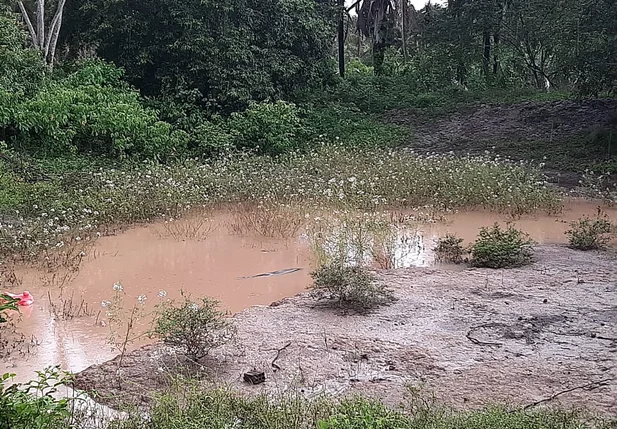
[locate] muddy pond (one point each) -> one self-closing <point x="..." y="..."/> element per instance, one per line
<point x="68" y="326"/>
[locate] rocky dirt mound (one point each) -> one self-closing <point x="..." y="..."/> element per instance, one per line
<point x="541" y="334"/>
<point x="481" y="127"/>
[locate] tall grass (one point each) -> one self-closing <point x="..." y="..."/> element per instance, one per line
<point x="223" y="409"/>
<point x="79" y="206"/>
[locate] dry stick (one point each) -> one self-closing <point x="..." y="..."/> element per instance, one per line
<point x="589" y="386"/>
<point x="478" y="342"/>
<point x="278" y="353"/>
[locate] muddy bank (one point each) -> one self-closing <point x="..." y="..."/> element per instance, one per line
<point x="506" y="129"/>
<point x="72" y="329"/>
<point x="531" y="121"/>
<point x="471" y="337"/>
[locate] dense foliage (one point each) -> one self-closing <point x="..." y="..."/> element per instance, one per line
<point x="501" y="43"/>
<point x="218" y="55"/>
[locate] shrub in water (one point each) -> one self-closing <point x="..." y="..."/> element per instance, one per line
<point x="193" y="327"/>
<point x="450" y="249"/>
<point x="588" y="234"/>
<point x="499" y="248"/>
<point x="349" y="286"/>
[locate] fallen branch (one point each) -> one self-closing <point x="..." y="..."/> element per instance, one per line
<point x="478" y="342"/>
<point x="278" y="353"/>
<point x="588" y="386"/>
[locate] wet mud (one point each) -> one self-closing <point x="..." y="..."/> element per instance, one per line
<point x="244" y="271"/>
<point x="544" y="334"/>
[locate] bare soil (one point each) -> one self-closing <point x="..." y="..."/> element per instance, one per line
<point x="543" y="333"/>
<point x="528" y="130"/>
<point x="531" y="121"/>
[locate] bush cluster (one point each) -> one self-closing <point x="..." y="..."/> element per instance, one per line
<point x="590" y="234"/>
<point x="349" y="286"/>
<point x="193" y="327"/>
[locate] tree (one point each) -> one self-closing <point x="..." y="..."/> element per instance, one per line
<point x="375" y="21"/>
<point x="44" y="39"/>
<point x="218" y="55"/>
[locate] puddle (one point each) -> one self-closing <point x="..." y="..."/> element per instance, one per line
<point x="238" y="271"/>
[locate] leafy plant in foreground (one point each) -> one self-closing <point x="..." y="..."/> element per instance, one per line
<point x="589" y="234"/>
<point x="31" y="405"/>
<point x="499" y="248"/>
<point x="349" y="286"/>
<point x="194" y="327"/>
<point x="7" y="303"/>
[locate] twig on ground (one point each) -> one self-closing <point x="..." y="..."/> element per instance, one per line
<point x="589" y="386"/>
<point x="278" y="353"/>
<point x="478" y="342"/>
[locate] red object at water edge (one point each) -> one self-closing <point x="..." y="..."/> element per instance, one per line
<point x="25" y="299"/>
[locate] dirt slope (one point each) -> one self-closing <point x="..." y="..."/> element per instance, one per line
<point x="482" y="126"/>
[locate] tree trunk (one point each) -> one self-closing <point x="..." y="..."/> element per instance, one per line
<point x="405" y="6"/>
<point x="44" y="40"/>
<point x="379" y="53"/>
<point x="486" y="55"/>
<point x="341" y="38"/>
<point x="359" y="32"/>
<point x="496" y="65"/>
<point x="40" y="23"/>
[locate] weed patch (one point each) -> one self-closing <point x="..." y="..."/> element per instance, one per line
<point x="221" y="409"/>
<point x="590" y="234"/>
<point x="266" y="220"/>
<point x="450" y="249"/>
<point x="350" y="287"/>
<point x="194" y="327"/>
<point x="195" y="226"/>
<point x="77" y="208"/>
<point x="499" y="248"/>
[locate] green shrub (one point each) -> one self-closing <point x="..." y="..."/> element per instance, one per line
<point x="194" y="327"/>
<point x="450" y="249"/>
<point x="353" y="128"/>
<point x="21" y="69"/>
<point x="31" y="405"/>
<point x="588" y="234"/>
<point x="89" y="110"/>
<point x="498" y="248"/>
<point x="267" y="128"/>
<point x="349" y="286"/>
<point x="212" y="138"/>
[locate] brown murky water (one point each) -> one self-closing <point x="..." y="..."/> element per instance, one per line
<point x="147" y="260"/>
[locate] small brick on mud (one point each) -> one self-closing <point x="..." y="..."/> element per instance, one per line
<point x="254" y="377"/>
